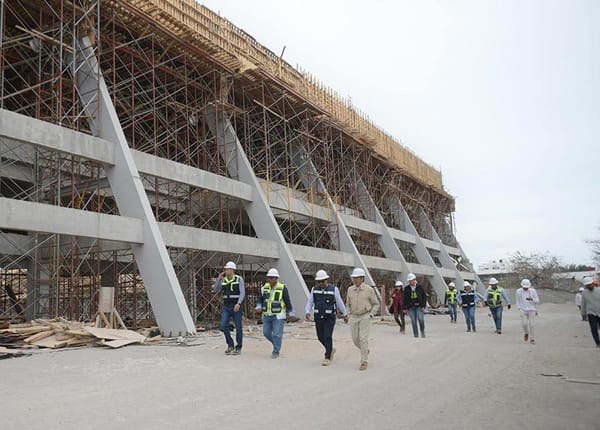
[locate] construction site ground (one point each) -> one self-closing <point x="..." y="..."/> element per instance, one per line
<point x="450" y="380"/>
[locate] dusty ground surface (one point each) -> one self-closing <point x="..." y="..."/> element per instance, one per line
<point x="450" y="380"/>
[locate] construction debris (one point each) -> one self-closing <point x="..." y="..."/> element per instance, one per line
<point x="61" y="333"/>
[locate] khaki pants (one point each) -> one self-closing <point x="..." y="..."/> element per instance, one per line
<point x="528" y="323"/>
<point x="360" y="326"/>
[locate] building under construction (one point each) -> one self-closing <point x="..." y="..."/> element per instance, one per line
<point x="143" y="143"/>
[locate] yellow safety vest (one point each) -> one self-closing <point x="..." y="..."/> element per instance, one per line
<point x="272" y="299"/>
<point x="452" y="296"/>
<point x="494" y="297"/>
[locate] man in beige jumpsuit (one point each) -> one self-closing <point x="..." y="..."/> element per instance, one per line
<point x="361" y="302"/>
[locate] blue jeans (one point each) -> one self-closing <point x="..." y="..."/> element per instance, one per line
<point x="273" y="331"/>
<point x="226" y="315"/>
<point x="452" y="311"/>
<point x="416" y="314"/>
<point x="469" y="312"/>
<point x="497" y="315"/>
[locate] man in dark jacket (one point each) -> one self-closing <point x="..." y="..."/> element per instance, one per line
<point x="415" y="301"/>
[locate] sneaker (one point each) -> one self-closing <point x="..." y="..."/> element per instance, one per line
<point x="499" y="332"/>
<point x="332" y="354"/>
<point x="474" y="330"/>
<point x="363" y="365"/>
<point x="525" y="337"/>
<point x="422" y="334"/>
<point x="326" y="362"/>
<point x="236" y="351"/>
<point x="468" y="330"/>
<point x="229" y="350"/>
<point x="532" y="342"/>
<point x="275" y="355"/>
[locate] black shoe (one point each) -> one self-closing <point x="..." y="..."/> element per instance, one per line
<point x="229" y="350"/>
<point x="237" y="351"/>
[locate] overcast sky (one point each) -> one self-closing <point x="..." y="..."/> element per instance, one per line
<point x="503" y="96"/>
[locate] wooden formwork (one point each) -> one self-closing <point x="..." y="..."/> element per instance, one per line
<point x="237" y="51"/>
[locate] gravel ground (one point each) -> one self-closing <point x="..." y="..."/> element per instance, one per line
<point x="450" y="380"/>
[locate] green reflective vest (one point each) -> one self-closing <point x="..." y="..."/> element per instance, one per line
<point x="494" y="298"/>
<point x="451" y="295"/>
<point x="272" y="299"/>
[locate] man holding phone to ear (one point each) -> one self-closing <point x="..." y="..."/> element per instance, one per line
<point x="232" y="286"/>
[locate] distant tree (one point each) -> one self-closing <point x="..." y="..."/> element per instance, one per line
<point x="537" y="267"/>
<point x="576" y="268"/>
<point x="595" y="246"/>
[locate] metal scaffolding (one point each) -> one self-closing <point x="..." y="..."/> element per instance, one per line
<point x="166" y="65"/>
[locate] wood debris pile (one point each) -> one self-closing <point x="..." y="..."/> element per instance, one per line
<point x="61" y="333"/>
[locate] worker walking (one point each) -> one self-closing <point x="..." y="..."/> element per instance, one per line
<point x="275" y="305"/>
<point x="232" y="287"/>
<point x="415" y="301"/>
<point x="467" y="298"/>
<point x="494" y="297"/>
<point x="450" y="301"/>
<point x="526" y="300"/>
<point x="578" y="303"/>
<point x="326" y="300"/>
<point x="397" y="306"/>
<point x="590" y="306"/>
<point x="362" y="304"/>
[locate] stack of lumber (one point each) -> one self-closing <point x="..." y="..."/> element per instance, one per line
<point x="61" y="333"/>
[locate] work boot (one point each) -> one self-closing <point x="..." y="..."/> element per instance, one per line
<point x="363" y="365"/>
<point x="229" y="350"/>
<point x="326" y="362"/>
<point x="525" y="337"/>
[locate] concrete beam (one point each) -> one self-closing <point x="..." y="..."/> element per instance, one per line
<point x="42" y="218"/>
<point x="207" y="240"/>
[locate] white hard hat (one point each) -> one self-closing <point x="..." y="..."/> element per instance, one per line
<point x="581" y="288"/>
<point x="230" y="265"/>
<point x="466" y="284"/>
<point x="451" y="284"/>
<point x="272" y="273"/>
<point x="587" y="281"/>
<point x="525" y="283"/>
<point x="493" y="281"/>
<point x="321" y="275"/>
<point x="358" y="273"/>
<point x="410" y="277"/>
<point x="398" y="284"/>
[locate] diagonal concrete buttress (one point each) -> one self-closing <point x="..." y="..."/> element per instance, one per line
<point x="385" y="239"/>
<point x="340" y="236"/>
<point x="445" y="259"/>
<point x="160" y="281"/>
<point x="421" y="252"/>
<point x="258" y="210"/>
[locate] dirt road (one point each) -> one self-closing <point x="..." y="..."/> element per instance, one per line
<point x="450" y="380"/>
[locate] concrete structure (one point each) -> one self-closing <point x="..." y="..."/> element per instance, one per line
<point x="142" y="144"/>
